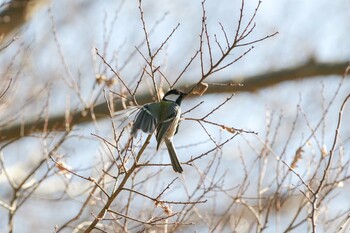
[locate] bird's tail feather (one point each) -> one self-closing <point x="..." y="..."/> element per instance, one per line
<point x="173" y="157"/>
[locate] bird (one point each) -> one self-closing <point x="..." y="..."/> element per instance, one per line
<point x="163" y="117"/>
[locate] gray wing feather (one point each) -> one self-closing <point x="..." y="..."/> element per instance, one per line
<point x="161" y="130"/>
<point x="125" y="116"/>
<point x="144" y="120"/>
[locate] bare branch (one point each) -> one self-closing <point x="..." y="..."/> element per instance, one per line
<point x="6" y="89"/>
<point x="248" y="84"/>
<point x="114" y="72"/>
<point x="329" y="161"/>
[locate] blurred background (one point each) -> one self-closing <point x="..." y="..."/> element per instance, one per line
<point x="263" y="179"/>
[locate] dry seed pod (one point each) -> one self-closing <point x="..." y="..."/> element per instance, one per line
<point x="200" y="89"/>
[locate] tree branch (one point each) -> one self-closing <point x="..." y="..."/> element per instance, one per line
<point x="15" y="13"/>
<point x="248" y="84"/>
<point x="268" y="79"/>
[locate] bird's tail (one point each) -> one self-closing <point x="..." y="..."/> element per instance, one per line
<point x="173" y="157"/>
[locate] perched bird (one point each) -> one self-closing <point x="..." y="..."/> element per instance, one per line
<point x="164" y="117"/>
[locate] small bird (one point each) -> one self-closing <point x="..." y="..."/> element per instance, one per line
<point x="163" y="116"/>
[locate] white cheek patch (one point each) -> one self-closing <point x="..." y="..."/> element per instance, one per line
<point x="171" y="97"/>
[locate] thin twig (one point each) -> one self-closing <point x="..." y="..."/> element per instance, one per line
<point x="114" y="72"/>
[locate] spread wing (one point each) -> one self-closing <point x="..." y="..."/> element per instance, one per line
<point x="146" y="119"/>
<point x="126" y="116"/>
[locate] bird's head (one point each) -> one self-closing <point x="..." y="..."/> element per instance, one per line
<point x="174" y="95"/>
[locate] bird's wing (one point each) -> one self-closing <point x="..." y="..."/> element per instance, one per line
<point x="146" y="119"/>
<point x="125" y="116"/>
<point x="167" y="123"/>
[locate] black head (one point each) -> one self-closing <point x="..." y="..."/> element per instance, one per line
<point x="174" y="95"/>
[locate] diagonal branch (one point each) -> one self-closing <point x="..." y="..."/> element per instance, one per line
<point x="120" y="188"/>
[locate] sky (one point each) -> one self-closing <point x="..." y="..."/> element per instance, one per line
<point x="62" y="37"/>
